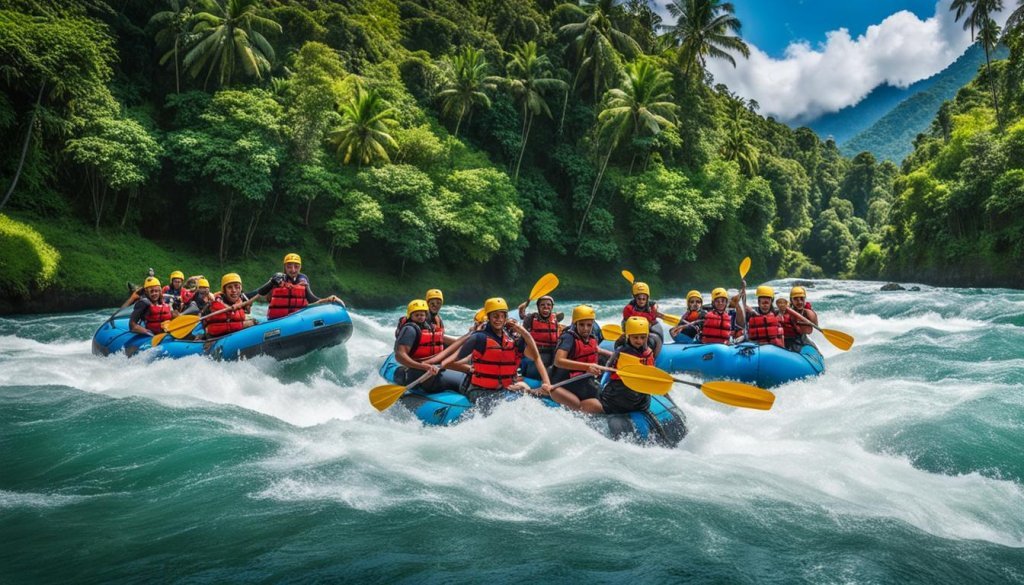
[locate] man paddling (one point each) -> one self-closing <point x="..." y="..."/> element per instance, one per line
<point x="543" y="327"/>
<point x="151" y="311"/>
<point x="418" y="340"/>
<point x="794" y="329"/>
<point x="688" y="328"/>
<point x="764" y="322"/>
<point x="289" y="291"/>
<point x="229" y="297"/>
<point x="577" y="354"/>
<point x="720" y="321"/>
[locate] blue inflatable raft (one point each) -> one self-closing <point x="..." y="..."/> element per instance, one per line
<point x="663" y="424"/>
<point x="762" y="365"/>
<point x="312" y="328"/>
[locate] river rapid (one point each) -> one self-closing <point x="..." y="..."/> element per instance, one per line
<point x="904" y="462"/>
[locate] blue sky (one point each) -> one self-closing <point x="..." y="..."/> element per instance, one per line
<point x="773" y="24"/>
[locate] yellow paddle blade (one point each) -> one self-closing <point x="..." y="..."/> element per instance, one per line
<point x="739" y="394"/>
<point x="843" y="341"/>
<point x="611" y="332"/>
<point x="744" y="267"/>
<point x="181" y="326"/>
<point x="671" y="319"/>
<point x="626" y="359"/>
<point x="628" y="276"/>
<point x="480" y="316"/>
<point x="645" y="379"/>
<point x="545" y="285"/>
<point x="382" y="397"/>
<point x="157" y="339"/>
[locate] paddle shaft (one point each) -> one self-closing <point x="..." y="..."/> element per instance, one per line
<point x="205" y="317"/>
<point x="802" y="318"/>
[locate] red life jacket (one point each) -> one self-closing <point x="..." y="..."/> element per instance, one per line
<point x="155" y="315"/>
<point x="790" y="323"/>
<point x="649" y="312"/>
<point x="765" y="328"/>
<point x="646" y="356"/>
<point x="227" y="322"/>
<point x="717" y="327"/>
<point x="286" y="299"/>
<point x="544" y="331"/>
<point x="429" y="343"/>
<point x="496" y="366"/>
<point x="691" y="316"/>
<point x="582" y="351"/>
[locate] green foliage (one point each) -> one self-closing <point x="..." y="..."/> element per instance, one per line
<point x="478" y="212"/>
<point x="227" y="36"/>
<point x="363" y="134"/>
<point x="27" y="262"/>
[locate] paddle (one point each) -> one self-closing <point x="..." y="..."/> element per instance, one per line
<point x="611" y="332"/>
<point x="841" y="340"/>
<point x="744" y="269"/>
<point x="545" y="286"/>
<point x="651" y="380"/>
<point x="628" y="276"/>
<point x="182" y="325"/>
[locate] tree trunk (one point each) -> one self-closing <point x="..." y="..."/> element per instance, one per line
<point x="225" y="228"/>
<point x="522" y="150"/>
<point x="309" y="205"/>
<point x="992" y="84"/>
<point x="593" y="193"/>
<point x="132" y="194"/>
<point x="250" y="232"/>
<point x="177" y="81"/>
<point x="565" y="102"/>
<point x="99" y="197"/>
<point x="24" y="147"/>
<point x="462" y="113"/>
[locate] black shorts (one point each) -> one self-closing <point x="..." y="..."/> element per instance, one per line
<point x="584" y="389"/>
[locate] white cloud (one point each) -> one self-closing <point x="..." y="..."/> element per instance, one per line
<point x="812" y="80"/>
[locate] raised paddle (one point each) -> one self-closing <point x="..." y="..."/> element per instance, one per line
<point x="651" y="380"/>
<point x="182" y="325"/>
<point x="545" y="285"/>
<point x="628" y="276"/>
<point x="841" y="340"/>
<point x="744" y="267"/>
<point x="611" y="332"/>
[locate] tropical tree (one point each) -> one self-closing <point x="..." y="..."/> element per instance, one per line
<point x="171" y="28"/>
<point x="703" y="29"/>
<point x="363" y="133"/>
<point x="739" y="140"/>
<point x="226" y="34"/>
<point x="641" y="105"/>
<point x="467" y="85"/>
<point x="599" y="39"/>
<point x="976" y="12"/>
<point x="988" y="37"/>
<point x="529" y="79"/>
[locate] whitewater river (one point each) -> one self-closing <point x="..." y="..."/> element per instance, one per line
<point x="903" y="463"/>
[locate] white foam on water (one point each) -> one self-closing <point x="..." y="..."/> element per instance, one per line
<point x="12" y="500"/>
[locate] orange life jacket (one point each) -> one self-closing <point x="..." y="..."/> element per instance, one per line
<point x="646" y="356"/>
<point x="582" y="351"/>
<point x="429" y="342"/>
<point x="650" y="312"/>
<point x="544" y="331"/>
<point x="790" y="323"/>
<point x="495" y="367"/>
<point x="155" y="315"/>
<point x="286" y="299"/>
<point x="717" y="327"/>
<point x="765" y="328"/>
<point x="224" y="323"/>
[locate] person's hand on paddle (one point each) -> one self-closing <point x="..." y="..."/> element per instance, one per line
<point x="594" y="369"/>
<point x="432" y="369"/>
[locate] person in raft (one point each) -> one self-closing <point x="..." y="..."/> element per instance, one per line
<point x="794" y="330"/>
<point x="616" y="398"/>
<point x="417" y="340"/>
<point x="643" y="306"/>
<point x="195" y="302"/>
<point x="230" y="297"/>
<point x="764" y="322"/>
<point x="695" y="312"/>
<point x="150" y="311"/>
<point x="577" y="354"/>
<point x="719" y="322"/>
<point x="435" y="300"/>
<point x="544" y="328"/>
<point x="289" y="291"/>
<point x="495" y="357"/>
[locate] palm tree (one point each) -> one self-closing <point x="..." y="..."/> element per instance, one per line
<point x="529" y="79"/>
<point x="363" y="133"/>
<point x="640" y="105"/>
<point x="976" y="11"/>
<point x="988" y="37"/>
<point x="171" y="28"/>
<point x="704" y="28"/>
<point x="738" y="144"/>
<point x="599" y="40"/>
<point x="467" y="85"/>
<point x="1014" y="20"/>
<point x="225" y="34"/>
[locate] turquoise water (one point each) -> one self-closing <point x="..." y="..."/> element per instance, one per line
<point x="903" y="463"/>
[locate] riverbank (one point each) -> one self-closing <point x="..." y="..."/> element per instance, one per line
<point x="61" y="265"/>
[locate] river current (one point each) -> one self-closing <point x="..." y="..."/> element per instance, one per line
<point x="904" y="462"/>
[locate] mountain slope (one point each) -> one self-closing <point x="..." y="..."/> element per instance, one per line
<point x="892" y="136"/>
<point x="850" y="121"/>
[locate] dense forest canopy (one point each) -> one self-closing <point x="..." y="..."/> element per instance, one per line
<point x="451" y="135"/>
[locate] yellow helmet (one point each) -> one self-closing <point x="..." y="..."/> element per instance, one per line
<point x="151" y="281"/>
<point x="637" y="326"/>
<point x="416" y="305"/>
<point x="293" y="258"/>
<point x="641" y="288"/>
<point x="583" y="312"/>
<point x="230" y="278"/>
<point x="200" y="283"/>
<point x="177" y="274"/>
<point x="495" y="304"/>
<point x="797" y="291"/>
<point x="434" y="293"/>
<point x="765" y="291"/>
<point x="694" y="294"/>
<point x="719" y="293"/>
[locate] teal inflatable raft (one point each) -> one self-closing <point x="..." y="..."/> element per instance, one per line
<point x="312" y="328"/>
<point x="762" y="365"/>
<point x="663" y="424"/>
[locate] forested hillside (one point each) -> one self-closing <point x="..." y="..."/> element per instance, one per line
<point x="413" y="139"/>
